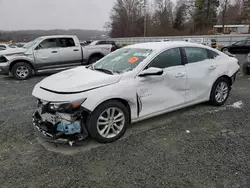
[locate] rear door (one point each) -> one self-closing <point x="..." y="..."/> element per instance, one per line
<point x="47" y="53"/>
<point x="202" y="69"/>
<point x="70" y="52"/>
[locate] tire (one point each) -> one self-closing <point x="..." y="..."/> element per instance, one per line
<point x="245" y="69"/>
<point x="94" y="59"/>
<point x="220" y="82"/>
<point x="96" y="117"/>
<point x="225" y="50"/>
<point x="21" y="71"/>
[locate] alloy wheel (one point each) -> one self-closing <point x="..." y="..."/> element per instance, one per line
<point x="221" y="92"/>
<point x="111" y="122"/>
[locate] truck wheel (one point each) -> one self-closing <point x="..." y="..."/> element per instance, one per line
<point x="245" y="69"/>
<point x="21" y="71"/>
<point x="94" y="59"/>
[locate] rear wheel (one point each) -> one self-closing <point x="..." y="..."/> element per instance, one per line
<point x="220" y="92"/>
<point x="246" y="69"/>
<point x="108" y="122"/>
<point x="94" y="59"/>
<point x="21" y="71"/>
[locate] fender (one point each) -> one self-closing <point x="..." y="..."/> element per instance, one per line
<point x="21" y="58"/>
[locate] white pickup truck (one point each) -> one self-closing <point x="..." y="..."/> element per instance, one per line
<point x="50" y="52"/>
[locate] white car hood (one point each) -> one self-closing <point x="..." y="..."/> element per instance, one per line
<point x="77" y="80"/>
<point x="10" y="51"/>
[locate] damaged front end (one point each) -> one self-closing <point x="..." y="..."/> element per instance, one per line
<point x="61" y="122"/>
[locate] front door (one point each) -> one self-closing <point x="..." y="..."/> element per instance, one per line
<point x="158" y="93"/>
<point x="47" y="54"/>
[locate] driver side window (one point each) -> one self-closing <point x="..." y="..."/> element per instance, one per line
<point x="48" y="43"/>
<point x="166" y="59"/>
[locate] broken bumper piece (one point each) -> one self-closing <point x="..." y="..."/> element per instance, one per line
<point x="59" y="132"/>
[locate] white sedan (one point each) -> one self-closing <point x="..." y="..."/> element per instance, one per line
<point x="129" y="85"/>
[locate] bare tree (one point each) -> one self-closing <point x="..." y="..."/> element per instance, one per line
<point x="126" y="18"/>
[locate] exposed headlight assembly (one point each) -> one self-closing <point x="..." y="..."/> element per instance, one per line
<point x="68" y="107"/>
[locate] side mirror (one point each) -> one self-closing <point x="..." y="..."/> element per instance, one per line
<point x="152" y="71"/>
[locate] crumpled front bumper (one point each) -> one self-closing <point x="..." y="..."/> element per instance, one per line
<point x="47" y="131"/>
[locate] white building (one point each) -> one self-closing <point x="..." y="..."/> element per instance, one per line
<point x="232" y="29"/>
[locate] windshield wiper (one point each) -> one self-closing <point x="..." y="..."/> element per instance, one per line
<point x="103" y="70"/>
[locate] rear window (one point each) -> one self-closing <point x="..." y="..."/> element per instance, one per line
<point x="66" y="42"/>
<point x="212" y="54"/>
<point x="195" y="55"/>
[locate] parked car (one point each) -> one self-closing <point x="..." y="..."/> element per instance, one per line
<point x="102" y="42"/>
<point x="240" y="47"/>
<point x="165" y="40"/>
<point x="205" y="41"/>
<point x="131" y="84"/>
<point x="246" y="65"/>
<point x="51" y="52"/>
<point x="85" y="43"/>
<point x="7" y="46"/>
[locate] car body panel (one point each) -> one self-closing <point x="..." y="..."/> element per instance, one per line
<point x="147" y="97"/>
<point x="157" y="93"/>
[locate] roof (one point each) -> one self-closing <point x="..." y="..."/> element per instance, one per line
<point x="57" y="36"/>
<point x="218" y="26"/>
<point x="164" y="45"/>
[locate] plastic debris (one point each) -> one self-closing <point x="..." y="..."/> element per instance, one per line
<point x="187" y="131"/>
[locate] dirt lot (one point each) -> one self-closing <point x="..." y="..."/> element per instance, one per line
<point x="201" y="146"/>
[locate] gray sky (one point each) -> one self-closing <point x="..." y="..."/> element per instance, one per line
<point x="54" y="14"/>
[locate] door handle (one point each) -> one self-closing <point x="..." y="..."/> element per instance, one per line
<point x="75" y="50"/>
<point x="212" y="67"/>
<point x="179" y="74"/>
<point x="54" y="52"/>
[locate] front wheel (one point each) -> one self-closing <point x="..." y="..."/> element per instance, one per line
<point x="220" y="92"/>
<point x="21" y="71"/>
<point x="225" y="50"/>
<point x="108" y="122"/>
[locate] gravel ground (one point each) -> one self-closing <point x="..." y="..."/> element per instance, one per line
<point x="200" y="146"/>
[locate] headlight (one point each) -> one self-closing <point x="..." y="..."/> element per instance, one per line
<point x="67" y="107"/>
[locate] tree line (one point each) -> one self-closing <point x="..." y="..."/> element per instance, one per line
<point x="28" y="35"/>
<point x="133" y="18"/>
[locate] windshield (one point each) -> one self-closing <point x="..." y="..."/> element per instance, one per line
<point x="32" y="43"/>
<point x="123" y="60"/>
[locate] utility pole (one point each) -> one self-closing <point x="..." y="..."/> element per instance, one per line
<point x="145" y="17"/>
<point x="143" y="4"/>
<point x="224" y="14"/>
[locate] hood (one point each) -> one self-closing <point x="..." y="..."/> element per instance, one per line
<point x="77" y="80"/>
<point x="11" y="51"/>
